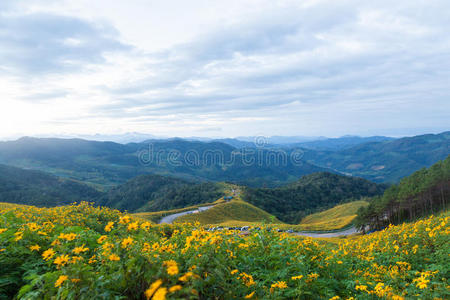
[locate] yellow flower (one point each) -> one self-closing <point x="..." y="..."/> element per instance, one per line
<point x="361" y="288"/>
<point x="79" y="250"/>
<point x="172" y="267"/>
<point x="313" y="276"/>
<point x="160" y="294"/>
<point x="101" y="239"/>
<point x="234" y="272"/>
<point x="249" y="295"/>
<point x="175" y="288"/>
<point x="92" y="259"/>
<point x="279" y="284"/>
<point x="297" y="277"/>
<point x="247" y="279"/>
<point x="3" y="230"/>
<point x="19" y="236"/>
<point x="60" y="280"/>
<point x="33" y="226"/>
<point x="109" y="226"/>
<point x="335" y="298"/>
<point x="61" y="260"/>
<point x="48" y="254"/>
<point x="186" y="276"/>
<point x="68" y="236"/>
<point x="153" y="287"/>
<point x="35" y="248"/>
<point x="114" y="257"/>
<point x="147" y="225"/>
<point x="421" y="282"/>
<point x="133" y="226"/>
<point x="127" y="241"/>
<point x="124" y="220"/>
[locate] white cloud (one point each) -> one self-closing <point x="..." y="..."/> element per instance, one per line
<point x="224" y="67"/>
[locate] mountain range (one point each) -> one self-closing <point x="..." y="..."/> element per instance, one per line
<point x="108" y="164"/>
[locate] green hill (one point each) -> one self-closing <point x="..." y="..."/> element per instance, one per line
<point x="386" y="161"/>
<point x="234" y="212"/>
<point x="156" y="193"/>
<point x="337" y="217"/>
<point x="425" y="192"/>
<point x="294" y="201"/>
<point x="108" y="164"/>
<point x="41" y="189"/>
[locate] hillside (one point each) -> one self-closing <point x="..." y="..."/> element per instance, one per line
<point x="41" y="189"/>
<point x="155" y="193"/>
<point x="341" y="143"/>
<point x="424" y="192"/>
<point x="310" y="193"/>
<point x="83" y="252"/>
<point x="337" y="217"/>
<point x="234" y="211"/>
<point x="108" y="164"/>
<point x="387" y="161"/>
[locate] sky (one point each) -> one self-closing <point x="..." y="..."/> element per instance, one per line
<point x="224" y="68"/>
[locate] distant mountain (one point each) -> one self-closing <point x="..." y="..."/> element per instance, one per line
<point x="279" y="140"/>
<point x="345" y="142"/>
<point x="41" y="189"/>
<point x="386" y="161"/>
<point x="108" y="164"/>
<point x="310" y="193"/>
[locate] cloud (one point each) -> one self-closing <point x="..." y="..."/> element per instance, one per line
<point x="310" y="68"/>
<point x="40" y="43"/>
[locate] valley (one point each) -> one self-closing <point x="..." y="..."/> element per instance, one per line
<point x="265" y="231"/>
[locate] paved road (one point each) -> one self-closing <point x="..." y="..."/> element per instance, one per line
<point x="351" y="230"/>
<point x="170" y="218"/>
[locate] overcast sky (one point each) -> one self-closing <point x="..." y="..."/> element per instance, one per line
<point x="224" y="68"/>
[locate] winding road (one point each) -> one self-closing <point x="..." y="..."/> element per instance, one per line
<point x="352" y="230"/>
<point x="170" y="218"/>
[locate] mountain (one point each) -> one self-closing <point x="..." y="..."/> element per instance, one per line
<point x="41" y="189"/>
<point x="108" y="164"/>
<point x="386" y="161"/>
<point x="310" y="193"/>
<point x="155" y="193"/>
<point x="345" y="142"/>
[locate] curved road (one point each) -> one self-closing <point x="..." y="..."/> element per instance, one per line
<point x="170" y="218"/>
<point x="351" y="230"/>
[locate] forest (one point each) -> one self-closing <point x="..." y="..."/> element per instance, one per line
<point x="424" y="192"/>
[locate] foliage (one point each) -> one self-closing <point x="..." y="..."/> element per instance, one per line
<point x="424" y="192"/>
<point x="108" y="164"/>
<point x="155" y="193"/>
<point x="311" y="193"/>
<point x="82" y="252"/>
<point x="41" y="189"/>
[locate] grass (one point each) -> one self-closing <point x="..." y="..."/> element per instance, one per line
<point x="5" y="205"/>
<point x="235" y="211"/>
<point x="335" y="218"/>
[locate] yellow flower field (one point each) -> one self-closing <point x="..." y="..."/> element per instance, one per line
<point x="83" y="252"/>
